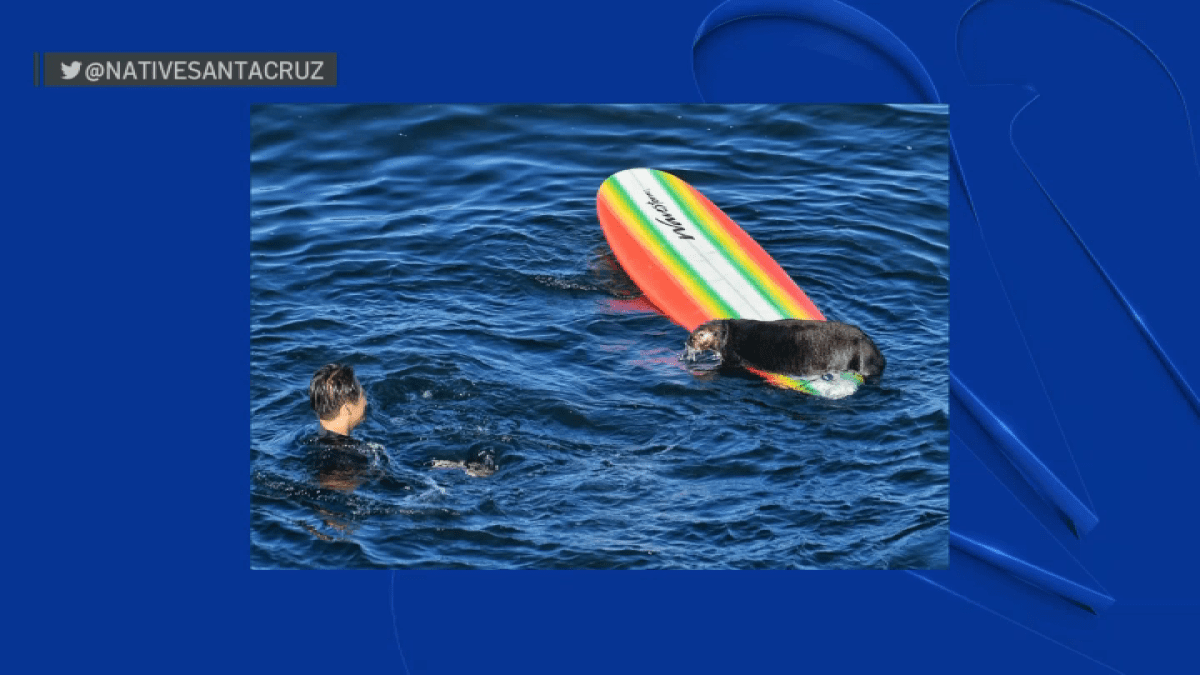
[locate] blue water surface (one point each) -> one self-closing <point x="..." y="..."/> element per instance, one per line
<point x="452" y="255"/>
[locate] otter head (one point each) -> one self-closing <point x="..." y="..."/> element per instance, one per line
<point x="708" y="337"/>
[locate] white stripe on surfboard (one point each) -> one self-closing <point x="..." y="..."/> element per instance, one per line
<point x="710" y="264"/>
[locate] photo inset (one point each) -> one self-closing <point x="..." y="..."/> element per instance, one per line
<point x="599" y="336"/>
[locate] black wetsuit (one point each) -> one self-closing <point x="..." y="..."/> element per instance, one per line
<point x="333" y="454"/>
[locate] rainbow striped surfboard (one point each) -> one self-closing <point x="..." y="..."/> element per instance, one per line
<point x="695" y="264"/>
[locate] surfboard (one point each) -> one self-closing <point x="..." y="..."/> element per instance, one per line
<point x="695" y="264"/>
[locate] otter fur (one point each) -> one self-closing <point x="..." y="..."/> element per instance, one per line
<point x="805" y="349"/>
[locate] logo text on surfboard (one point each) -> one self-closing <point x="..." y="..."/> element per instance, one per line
<point x="667" y="219"/>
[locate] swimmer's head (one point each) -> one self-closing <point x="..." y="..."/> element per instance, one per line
<point x="337" y="398"/>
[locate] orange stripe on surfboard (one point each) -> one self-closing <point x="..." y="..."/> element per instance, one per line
<point x="659" y="285"/>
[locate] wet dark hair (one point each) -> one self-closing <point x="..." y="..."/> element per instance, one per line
<point x="332" y="387"/>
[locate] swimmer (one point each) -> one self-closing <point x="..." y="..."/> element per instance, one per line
<point x="339" y="461"/>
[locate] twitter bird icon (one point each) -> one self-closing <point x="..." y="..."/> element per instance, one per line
<point x="70" y="70"/>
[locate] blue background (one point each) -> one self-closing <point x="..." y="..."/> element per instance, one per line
<point x="127" y="313"/>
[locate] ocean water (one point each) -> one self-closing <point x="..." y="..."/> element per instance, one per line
<point x="527" y="409"/>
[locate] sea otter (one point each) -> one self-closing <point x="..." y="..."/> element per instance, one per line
<point x="805" y="349"/>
